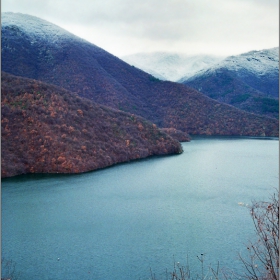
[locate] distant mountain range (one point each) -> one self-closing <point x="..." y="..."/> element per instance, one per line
<point x="171" y="66"/>
<point x="249" y="81"/>
<point x="36" y="49"/>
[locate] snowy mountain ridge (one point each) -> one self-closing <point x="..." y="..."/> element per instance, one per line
<point x="248" y="81"/>
<point x="36" y="28"/>
<point x="254" y="62"/>
<point x="170" y="66"/>
<point x="258" y="62"/>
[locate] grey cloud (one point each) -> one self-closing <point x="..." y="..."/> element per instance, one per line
<point x="161" y="22"/>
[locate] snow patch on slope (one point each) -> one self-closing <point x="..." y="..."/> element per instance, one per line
<point x="35" y="28"/>
<point x="256" y="62"/>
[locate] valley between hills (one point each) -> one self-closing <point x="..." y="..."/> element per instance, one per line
<point x="69" y="106"/>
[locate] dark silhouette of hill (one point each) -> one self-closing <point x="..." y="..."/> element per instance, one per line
<point x="46" y="129"/>
<point x="34" y="48"/>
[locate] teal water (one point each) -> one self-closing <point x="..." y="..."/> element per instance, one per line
<point x="120" y="222"/>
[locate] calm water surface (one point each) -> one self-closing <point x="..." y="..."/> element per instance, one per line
<point x="119" y="222"/>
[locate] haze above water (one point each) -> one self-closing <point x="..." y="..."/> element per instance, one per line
<point x="119" y="222"/>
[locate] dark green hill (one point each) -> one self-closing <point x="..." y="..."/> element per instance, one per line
<point x="37" y="49"/>
<point x="225" y="86"/>
<point x="46" y="129"/>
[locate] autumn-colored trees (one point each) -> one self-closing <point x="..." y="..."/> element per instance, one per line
<point x="46" y="129"/>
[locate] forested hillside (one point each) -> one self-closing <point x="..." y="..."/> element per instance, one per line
<point x="46" y="129"/>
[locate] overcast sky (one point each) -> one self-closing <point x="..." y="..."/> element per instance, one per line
<point x="220" y="27"/>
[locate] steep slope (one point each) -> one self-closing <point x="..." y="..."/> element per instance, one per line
<point x="46" y="129"/>
<point x="249" y="81"/>
<point x="171" y="66"/>
<point x="38" y="49"/>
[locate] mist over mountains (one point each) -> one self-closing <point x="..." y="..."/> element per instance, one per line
<point x="38" y="50"/>
<point x="171" y="66"/>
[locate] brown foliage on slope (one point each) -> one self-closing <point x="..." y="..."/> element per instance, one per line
<point x="183" y="108"/>
<point x="46" y="129"/>
<point x="177" y="134"/>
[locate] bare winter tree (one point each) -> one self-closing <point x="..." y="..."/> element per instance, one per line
<point x="263" y="260"/>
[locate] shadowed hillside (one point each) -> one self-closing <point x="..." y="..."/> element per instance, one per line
<point x="223" y="86"/>
<point x="46" y="129"/>
<point x="34" y="48"/>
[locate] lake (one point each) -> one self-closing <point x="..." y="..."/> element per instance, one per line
<point x="122" y="221"/>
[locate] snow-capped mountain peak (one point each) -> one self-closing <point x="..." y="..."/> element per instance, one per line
<point x="254" y="62"/>
<point x="258" y="62"/>
<point x="35" y="28"/>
